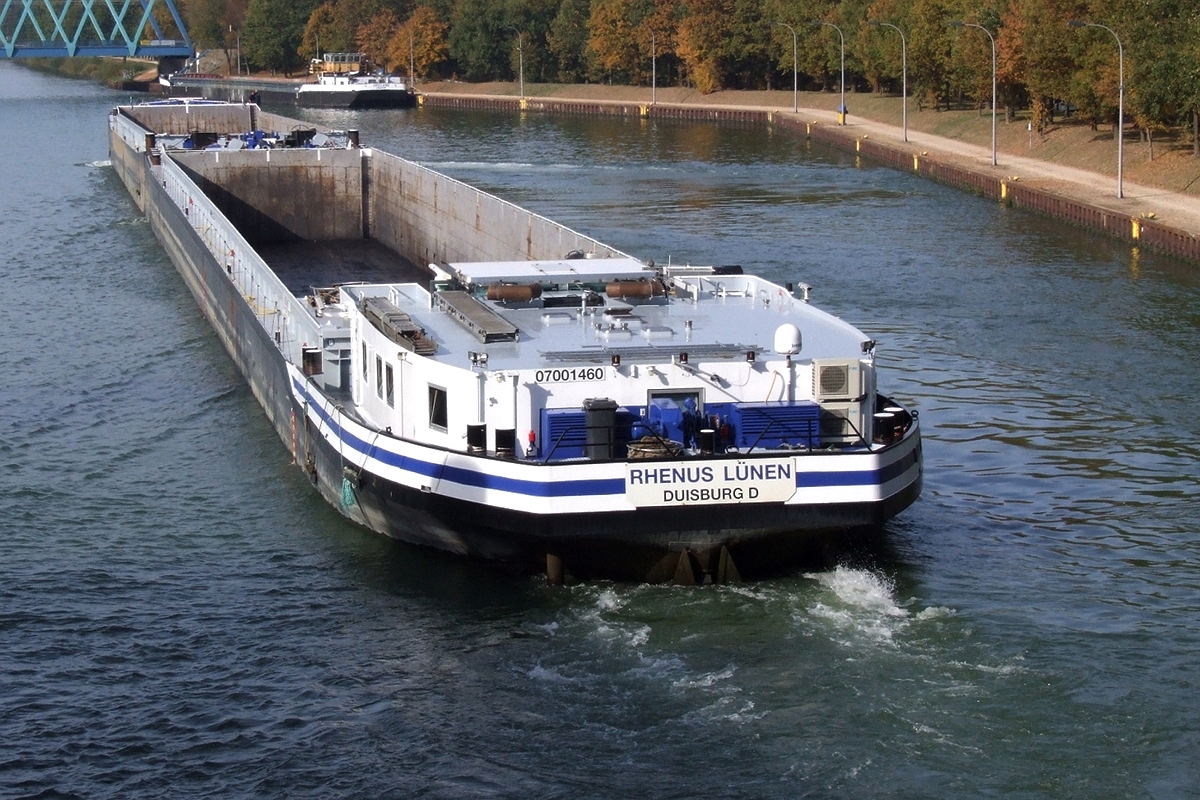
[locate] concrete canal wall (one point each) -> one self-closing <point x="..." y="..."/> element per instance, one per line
<point x="1136" y="230"/>
<point x="1143" y="231"/>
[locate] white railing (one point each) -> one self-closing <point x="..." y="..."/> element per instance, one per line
<point x="279" y="312"/>
<point x="130" y="132"/>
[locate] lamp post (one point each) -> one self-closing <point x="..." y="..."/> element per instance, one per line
<point x="653" y="69"/>
<point x="993" y="41"/>
<point x="520" y="58"/>
<point x="842" y="107"/>
<point x="795" y="79"/>
<point x="903" y="71"/>
<point x="238" y="51"/>
<point x="1120" y="97"/>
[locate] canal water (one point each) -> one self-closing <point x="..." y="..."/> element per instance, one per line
<point x="180" y="616"/>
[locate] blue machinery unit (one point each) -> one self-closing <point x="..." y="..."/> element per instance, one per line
<point x="58" y="28"/>
<point x="603" y="430"/>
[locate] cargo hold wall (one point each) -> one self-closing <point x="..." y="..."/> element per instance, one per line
<point x="429" y="218"/>
<point x="283" y="195"/>
<point x="183" y="119"/>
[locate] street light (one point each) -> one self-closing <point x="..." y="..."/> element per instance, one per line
<point x="842" y="108"/>
<point x="903" y="70"/>
<point x="993" y="41"/>
<point x="520" y="58"/>
<point x="239" y="52"/>
<point x="795" y="79"/>
<point x="1120" y="97"/>
<point x="653" y="69"/>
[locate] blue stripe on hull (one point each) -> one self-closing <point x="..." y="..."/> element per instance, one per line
<point x="577" y="487"/>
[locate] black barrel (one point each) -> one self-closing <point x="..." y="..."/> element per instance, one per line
<point x="476" y="438"/>
<point x="506" y="442"/>
<point x="600" y="414"/>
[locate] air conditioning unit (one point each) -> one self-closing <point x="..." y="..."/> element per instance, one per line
<point x="837" y="380"/>
<point x="842" y="424"/>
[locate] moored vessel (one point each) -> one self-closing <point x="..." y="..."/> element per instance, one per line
<point x="527" y="394"/>
<point x="346" y="80"/>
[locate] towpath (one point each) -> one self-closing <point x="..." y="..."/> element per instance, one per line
<point x="1174" y="209"/>
<point x="1171" y="208"/>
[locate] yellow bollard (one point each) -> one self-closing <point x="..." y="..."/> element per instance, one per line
<point x="1137" y="230"/>
<point x="916" y="163"/>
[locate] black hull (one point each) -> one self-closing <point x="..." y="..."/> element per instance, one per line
<point x="642" y="545"/>
<point x="364" y="99"/>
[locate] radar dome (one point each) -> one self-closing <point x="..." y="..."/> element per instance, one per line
<point x="787" y="340"/>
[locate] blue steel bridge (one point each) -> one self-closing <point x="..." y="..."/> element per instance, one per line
<point x="57" y="28"/>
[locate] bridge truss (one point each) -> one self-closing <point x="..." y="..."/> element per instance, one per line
<point x="57" y="28"/>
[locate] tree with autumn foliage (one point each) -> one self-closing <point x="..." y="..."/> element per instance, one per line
<point x="701" y="41"/>
<point x="612" y="49"/>
<point x="420" y="42"/>
<point x="321" y="27"/>
<point x="216" y="24"/>
<point x="1010" y="62"/>
<point x="713" y="44"/>
<point x="375" y="36"/>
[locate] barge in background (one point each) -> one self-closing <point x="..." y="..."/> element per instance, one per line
<point x="534" y="395"/>
<point x="346" y="80"/>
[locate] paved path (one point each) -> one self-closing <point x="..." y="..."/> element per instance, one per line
<point x="1170" y="208"/>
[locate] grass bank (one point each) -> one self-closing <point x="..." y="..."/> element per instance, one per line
<point x="104" y="70"/>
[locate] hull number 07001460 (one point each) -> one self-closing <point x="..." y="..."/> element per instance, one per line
<point x="569" y="374"/>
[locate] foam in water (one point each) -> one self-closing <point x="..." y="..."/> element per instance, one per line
<point x="863" y="604"/>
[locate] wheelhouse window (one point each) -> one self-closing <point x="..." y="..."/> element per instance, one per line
<point x="378" y="376"/>
<point x="391" y="387"/>
<point x="366" y="362"/>
<point x="437" y="408"/>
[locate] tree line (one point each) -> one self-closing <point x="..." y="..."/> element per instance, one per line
<point x="1042" y="63"/>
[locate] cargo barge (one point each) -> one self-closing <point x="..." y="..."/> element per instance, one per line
<point x="454" y="371"/>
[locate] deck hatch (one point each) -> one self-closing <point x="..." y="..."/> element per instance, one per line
<point x="472" y="314"/>
<point x="397" y="325"/>
<point x="652" y="353"/>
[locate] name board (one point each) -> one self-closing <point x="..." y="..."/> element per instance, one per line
<point x="710" y="482"/>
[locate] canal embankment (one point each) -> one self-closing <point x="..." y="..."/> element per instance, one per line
<point x="1145" y="215"/>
